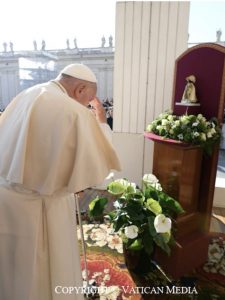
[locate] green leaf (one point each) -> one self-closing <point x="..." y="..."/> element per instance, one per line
<point x="116" y="188"/>
<point x="151" y="226"/>
<point x="148" y="242"/>
<point x="119" y="221"/>
<point x="169" y="203"/>
<point x="150" y="192"/>
<point x="159" y="240"/>
<point x="97" y="206"/>
<point x="166" y="236"/>
<point x="136" y="245"/>
<point x="154" y="206"/>
<point x="130" y="189"/>
<point x="111" y="215"/>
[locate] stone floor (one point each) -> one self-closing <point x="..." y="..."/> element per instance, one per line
<point x="221" y="164"/>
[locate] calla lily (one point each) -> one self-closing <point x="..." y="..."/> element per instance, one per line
<point x="131" y="231"/>
<point x="162" y="224"/>
<point x="150" y="178"/>
<point x="129" y="187"/>
<point x="154" y="206"/>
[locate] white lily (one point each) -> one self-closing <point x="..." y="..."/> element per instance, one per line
<point x="131" y="231"/>
<point x="162" y="223"/>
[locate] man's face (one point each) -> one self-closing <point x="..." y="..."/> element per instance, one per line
<point x="87" y="93"/>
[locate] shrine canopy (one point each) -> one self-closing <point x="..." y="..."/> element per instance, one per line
<point x="207" y="63"/>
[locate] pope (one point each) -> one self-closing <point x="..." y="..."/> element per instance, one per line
<point x="51" y="146"/>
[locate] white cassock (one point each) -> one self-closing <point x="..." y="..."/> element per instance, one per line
<point x="50" y="147"/>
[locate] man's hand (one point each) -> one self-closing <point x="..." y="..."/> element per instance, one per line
<point x="98" y="110"/>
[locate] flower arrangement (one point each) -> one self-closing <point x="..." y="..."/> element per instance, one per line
<point x="192" y="129"/>
<point x="142" y="217"/>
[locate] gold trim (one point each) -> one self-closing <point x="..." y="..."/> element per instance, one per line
<point x="203" y="45"/>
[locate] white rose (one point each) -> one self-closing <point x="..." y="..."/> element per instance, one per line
<point x="184" y="120"/>
<point x="199" y="116"/>
<point x="170" y="118"/>
<point x="164" y="122"/>
<point x="162" y="224"/>
<point x="131" y="231"/>
<point x="209" y="135"/>
<point x="213" y="131"/>
<point x="159" y="127"/>
<point x="203" y="136"/>
<point x="149" y="127"/>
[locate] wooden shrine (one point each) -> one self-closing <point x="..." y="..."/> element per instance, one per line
<point x="184" y="172"/>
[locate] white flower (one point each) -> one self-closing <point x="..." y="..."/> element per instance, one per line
<point x="96" y="274"/>
<point x="126" y="183"/>
<point x="215" y="253"/>
<point x="85" y="274"/>
<point x="159" y="127"/>
<point x="150" y="178"/>
<point x="203" y="136"/>
<point x="209" y="135"/>
<point x="123" y="181"/>
<point x="177" y="122"/>
<point x="184" y="120"/>
<point x="106" y="271"/>
<point x="199" y="116"/>
<point x="115" y="242"/>
<point x="195" y="124"/>
<point x="149" y="127"/>
<point x="196" y="134"/>
<point x="170" y="118"/>
<point x="131" y="231"/>
<point x="180" y="136"/>
<point x="162" y="224"/>
<point x="157" y="186"/>
<point x="106" y="277"/>
<point x="213" y="131"/>
<point x="86" y="228"/>
<point x="99" y="235"/>
<point x="109" y="293"/>
<point x="164" y="122"/>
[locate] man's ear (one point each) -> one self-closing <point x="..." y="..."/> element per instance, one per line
<point x="79" y="90"/>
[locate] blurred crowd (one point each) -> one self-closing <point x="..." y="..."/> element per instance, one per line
<point x="108" y="105"/>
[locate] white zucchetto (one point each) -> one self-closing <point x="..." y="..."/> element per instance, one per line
<point x="79" y="71"/>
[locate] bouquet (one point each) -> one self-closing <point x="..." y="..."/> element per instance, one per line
<point x="144" y="218"/>
<point x="191" y="129"/>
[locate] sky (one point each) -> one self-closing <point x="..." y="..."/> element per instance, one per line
<point x="206" y="17"/>
<point x="23" y="21"/>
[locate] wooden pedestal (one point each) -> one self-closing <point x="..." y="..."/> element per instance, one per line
<point x="178" y="169"/>
<point x="171" y="165"/>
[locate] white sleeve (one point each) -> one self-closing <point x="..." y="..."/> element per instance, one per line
<point x="107" y="131"/>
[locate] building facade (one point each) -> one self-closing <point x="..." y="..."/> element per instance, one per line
<point x="23" y="69"/>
